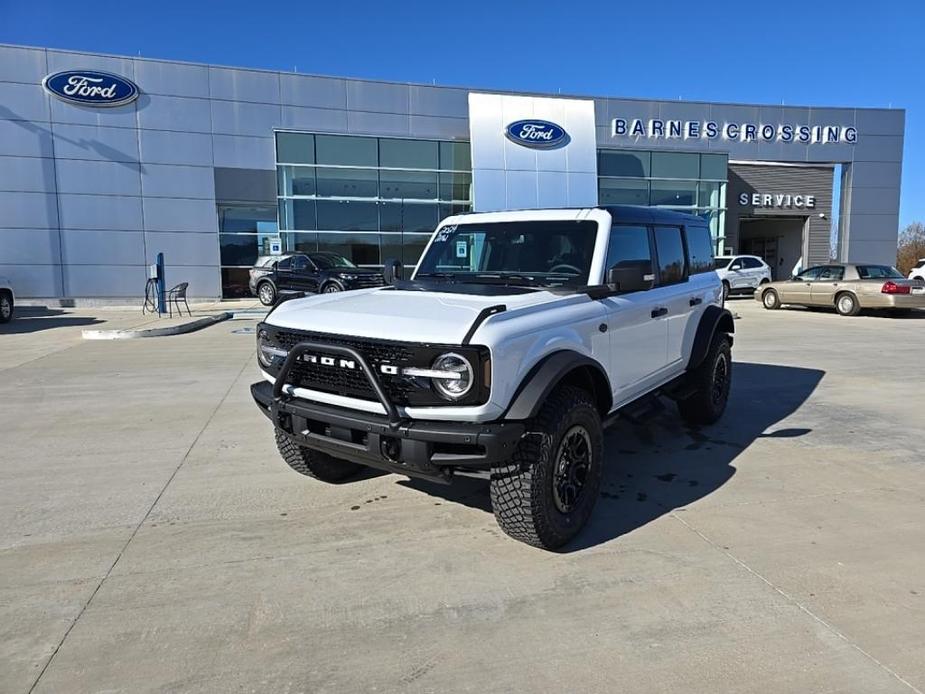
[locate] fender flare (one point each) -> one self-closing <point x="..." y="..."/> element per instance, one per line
<point x="713" y="320"/>
<point x="546" y="375"/>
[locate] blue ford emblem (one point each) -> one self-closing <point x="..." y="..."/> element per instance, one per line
<point x="91" y="88"/>
<point x="537" y="134"/>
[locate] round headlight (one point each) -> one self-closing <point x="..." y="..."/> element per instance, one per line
<point x="459" y="378"/>
<point x="267" y="354"/>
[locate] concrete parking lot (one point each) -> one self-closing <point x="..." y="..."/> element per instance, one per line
<point x="152" y="540"/>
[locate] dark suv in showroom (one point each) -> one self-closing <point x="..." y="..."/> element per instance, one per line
<point x="314" y="273"/>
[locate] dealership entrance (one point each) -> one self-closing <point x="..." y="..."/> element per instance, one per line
<point x="778" y="240"/>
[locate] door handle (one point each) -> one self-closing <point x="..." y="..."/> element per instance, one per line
<point x="659" y="312"/>
<point x="696" y="301"/>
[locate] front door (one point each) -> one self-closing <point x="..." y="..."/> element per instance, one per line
<point x="638" y="331"/>
<point x="304" y="275"/>
<point x="826" y="285"/>
<point x="799" y="289"/>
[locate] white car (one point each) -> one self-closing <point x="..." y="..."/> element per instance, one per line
<point x="918" y="271"/>
<point x="518" y="339"/>
<point x="741" y="274"/>
<point x="7" y="300"/>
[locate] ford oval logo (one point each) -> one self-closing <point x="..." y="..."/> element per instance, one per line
<point x="91" y="88"/>
<point x="537" y="134"/>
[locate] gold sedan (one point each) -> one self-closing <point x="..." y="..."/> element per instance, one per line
<point x="848" y="288"/>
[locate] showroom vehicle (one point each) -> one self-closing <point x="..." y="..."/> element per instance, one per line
<point x="849" y="288"/>
<point x="741" y="274"/>
<point x="918" y="271"/>
<point x="315" y="273"/>
<point x="519" y="338"/>
<point x="7" y="300"/>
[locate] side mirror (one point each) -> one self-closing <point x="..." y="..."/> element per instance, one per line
<point x="392" y="271"/>
<point x="735" y="266"/>
<point x="631" y="277"/>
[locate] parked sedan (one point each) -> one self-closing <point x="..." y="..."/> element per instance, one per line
<point x="741" y="274"/>
<point x="323" y="273"/>
<point x="848" y="288"/>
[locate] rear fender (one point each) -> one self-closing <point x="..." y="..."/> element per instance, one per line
<point x="713" y="320"/>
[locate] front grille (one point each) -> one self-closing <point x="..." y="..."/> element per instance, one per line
<point x="366" y="281"/>
<point x="339" y="380"/>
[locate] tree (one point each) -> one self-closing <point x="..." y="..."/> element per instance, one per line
<point x="911" y="247"/>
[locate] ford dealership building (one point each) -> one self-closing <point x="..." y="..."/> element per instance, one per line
<point x="107" y="161"/>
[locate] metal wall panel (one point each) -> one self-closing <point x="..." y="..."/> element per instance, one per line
<point x="29" y="174"/>
<point x="95" y="142"/>
<point x="34" y="280"/>
<point x="161" y="147"/>
<point x="100" y="212"/>
<point x="112" y="117"/>
<point x="23" y="102"/>
<point x="28" y="210"/>
<point x="317" y="92"/>
<point x="174" y="113"/>
<point x="98" y="177"/>
<point x="105" y="281"/>
<point x="244" y="152"/>
<point x="242" y="118"/>
<point x="172" y="79"/>
<point x="93" y="247"/>
<point x="175" y="181"/>
<point x="179" y="214"/>
<point x="24" y="139"/>
<point x="29" y="247"/>
<point x="181" y="248"/>
<point x="244" y="85"/>
<point x="26" y="65"/>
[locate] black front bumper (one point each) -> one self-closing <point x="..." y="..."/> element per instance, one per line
<point x="428" y="449"/>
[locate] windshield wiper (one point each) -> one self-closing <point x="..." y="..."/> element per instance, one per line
<point x="451" y="276"/>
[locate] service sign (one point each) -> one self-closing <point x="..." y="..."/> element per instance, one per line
<point x="537" y="134"/>
<point x="91" y="88"/>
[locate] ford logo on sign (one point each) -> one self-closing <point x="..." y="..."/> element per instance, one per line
<point x="91" y="88"/>
<point x="537" y="134"/>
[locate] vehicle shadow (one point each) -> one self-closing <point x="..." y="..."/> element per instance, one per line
<point x="32" y="319"/>
<point x="654" y="468"/>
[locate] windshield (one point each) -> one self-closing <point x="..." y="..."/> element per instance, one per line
<point x="721" y="262"/>
<point x="539" y="253"/>
<point x="328" y="261"/>
<point x="878" y="272"/>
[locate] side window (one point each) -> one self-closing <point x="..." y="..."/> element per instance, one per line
<point x="810" y="275"/>
<point x="629" y="246"/>
<point x="832" y="272"/>
<point x="751" y="263"/>
<point x="299" y="262"/>
<point x="669" y="249"/>
<point x="284" y="264"/>
<point x="699" y="250"/>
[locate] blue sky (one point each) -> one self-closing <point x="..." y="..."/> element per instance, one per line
<point x="831" y="53"/>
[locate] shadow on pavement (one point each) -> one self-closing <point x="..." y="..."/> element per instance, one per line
<point x="657" y="467"/>
<point x="32" y="319"/>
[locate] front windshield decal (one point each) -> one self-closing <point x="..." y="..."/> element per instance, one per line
<point x="444" y="233"/>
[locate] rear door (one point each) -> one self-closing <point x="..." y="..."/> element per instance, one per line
<point x="824" y="287"/>
<point x="672" y="293"/>
<point x="638" y="337"/>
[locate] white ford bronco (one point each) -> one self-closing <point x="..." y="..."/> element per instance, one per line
<point x="517" y="340"/>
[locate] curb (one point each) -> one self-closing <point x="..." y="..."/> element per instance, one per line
<point x="192" y="326"/>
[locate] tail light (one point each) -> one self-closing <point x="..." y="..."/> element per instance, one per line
<point x="893" y="288"/>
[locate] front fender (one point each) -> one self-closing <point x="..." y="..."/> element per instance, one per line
<point x="546" y="375"/>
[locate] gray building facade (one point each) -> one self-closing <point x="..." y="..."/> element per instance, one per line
<point x="210" y="165"/>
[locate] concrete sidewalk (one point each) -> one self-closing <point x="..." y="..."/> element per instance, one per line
<point x="151" y="539"/>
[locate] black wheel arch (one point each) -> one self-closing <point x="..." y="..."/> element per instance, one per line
<point x="713" y="320"/>
<point x="559" y="368"/>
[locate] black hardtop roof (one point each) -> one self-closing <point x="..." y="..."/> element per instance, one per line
<point x="650" y="215"/>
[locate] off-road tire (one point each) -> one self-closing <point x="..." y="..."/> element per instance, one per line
<point x="770" y="300"/>
<point x="6" y="306"/>
<point x="522" y="495"/>
<point x="708" y="402"/>
<point x="266" y="293"/>
<point x="846" y="307"/>
<point x="315" y="464"/>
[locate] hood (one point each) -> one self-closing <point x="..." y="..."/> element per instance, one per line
<point x="389" y="314"/>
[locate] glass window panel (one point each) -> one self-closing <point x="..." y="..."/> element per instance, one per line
<point x="675" y="165"/>
<point x="239" y="249"/>
<point x="295" y="148"/>
<point x="455" y="186"/>
<point x="391" y="248"/>
<point x="408" y="154"/>
<point x="408" y="217"/>
<point x="346" y="151"/>
<point x="419" y="185"/>
<point x="713" y="166"/>
<point x="672" y="264"/>
<point x="615" y="191"/>
<point x="710" y="194"/>
<point x="235" y="283"/>
<point x="412" y="248"/>
<point x="240" y="218"/>
<point x="676" y="193"/>
<point x="455" y="156"/>
<point x="303" y="214"/>
<point x="699" y="249"/>
<point x="635" y="164"/>
<point x="445" y="210"/>
<point x="361" y="249"/>
<point x="346" y="183"/>
<point x="347" y="215"/>
<point x="629" y="246"/>
<point x="296" y="180"/>
<point x="299" y="242"/>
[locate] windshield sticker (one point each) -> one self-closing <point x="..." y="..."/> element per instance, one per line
<point x="462" y="249"/>
<point x="444" y="233"/>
